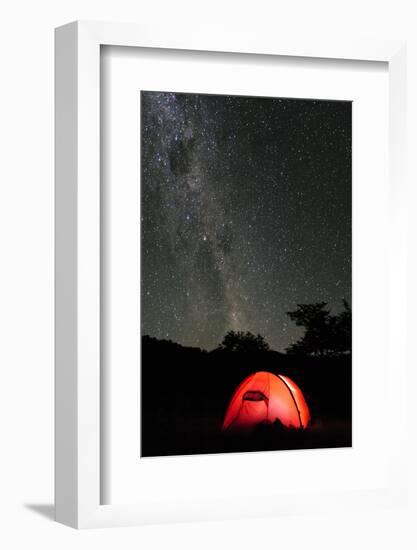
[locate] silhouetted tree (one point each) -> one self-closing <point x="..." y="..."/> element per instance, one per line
<point x="343" y="329"/>
<point x="315" y="319"/>
<point x="243" y="341"/>
<point x="325" y="334"/>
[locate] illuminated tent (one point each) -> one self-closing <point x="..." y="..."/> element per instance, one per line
<point x="266" y="397"/>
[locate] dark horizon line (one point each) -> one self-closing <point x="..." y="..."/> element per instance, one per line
<point x="219" y="347"/>
<point x="198" y="347"/>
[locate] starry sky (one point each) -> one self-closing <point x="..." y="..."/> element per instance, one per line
<point x="245" y="212"/>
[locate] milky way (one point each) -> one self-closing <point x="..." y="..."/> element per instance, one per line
<point x="245" y="212"/>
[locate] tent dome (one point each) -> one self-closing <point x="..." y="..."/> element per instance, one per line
<point x="266" y="397"/>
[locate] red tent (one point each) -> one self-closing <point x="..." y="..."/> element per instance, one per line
<point x="266" y="397"/>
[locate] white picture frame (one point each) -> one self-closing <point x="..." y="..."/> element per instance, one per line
<point x="78" y="406"/>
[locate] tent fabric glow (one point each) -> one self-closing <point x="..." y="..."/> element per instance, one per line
<point x="266" y="397"/>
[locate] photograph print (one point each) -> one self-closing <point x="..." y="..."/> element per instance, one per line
<point x="246" y="253"/>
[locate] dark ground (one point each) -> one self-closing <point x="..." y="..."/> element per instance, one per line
<point x="186" y="391"/>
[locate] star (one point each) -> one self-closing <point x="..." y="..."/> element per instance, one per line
<point x="245" y="212"/>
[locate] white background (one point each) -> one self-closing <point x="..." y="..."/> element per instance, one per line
<point x="26" y="301"/>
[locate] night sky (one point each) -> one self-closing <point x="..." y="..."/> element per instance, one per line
<point x="245" y="212"/>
